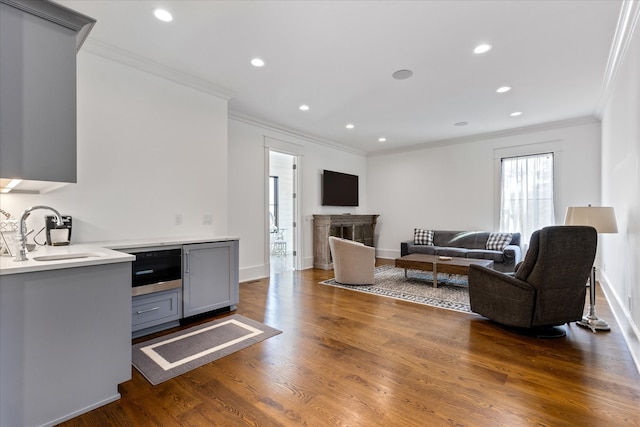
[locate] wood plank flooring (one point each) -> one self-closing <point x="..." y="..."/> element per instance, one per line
<point x="347" y="358"/>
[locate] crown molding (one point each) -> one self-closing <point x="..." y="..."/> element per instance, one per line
<point x="60" y="15"/>
<point x="627" y="22"/>
<point x="240" y="117"/>
<point x="127" y="58"/>
<point x="578" y="121"/>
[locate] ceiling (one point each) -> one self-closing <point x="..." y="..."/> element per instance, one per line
<point x="338" y="57"/>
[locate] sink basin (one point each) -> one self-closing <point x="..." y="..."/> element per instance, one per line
<point x="61" y="257"/>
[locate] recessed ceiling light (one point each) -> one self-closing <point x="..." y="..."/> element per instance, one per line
<point x="503" y="89"/>
<point x="402" y="74"/>
<point x="163" y="15"/>
<point x="516" y="114"/>
<point x="482" y="48"/>
<point x="257" y="62"/>
<point x="350" y="126"/>
<point x="461" y="123"/>
<point x="304" y="107"/>
<point x="382" y="139"/>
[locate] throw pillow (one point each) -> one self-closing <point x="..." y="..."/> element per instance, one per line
<point x="423" y="237"/>
<point x="498" y="241"/>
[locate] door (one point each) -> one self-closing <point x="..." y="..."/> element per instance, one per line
<point x="283" y="208"/>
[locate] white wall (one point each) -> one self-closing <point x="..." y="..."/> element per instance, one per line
<point x="148" y="149"/>
<point x="247" y="189"/>
<point x="621" y="189"/>
<point x="454" y="186"/>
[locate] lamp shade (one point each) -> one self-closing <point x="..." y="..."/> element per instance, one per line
<point x="602" y="218"/>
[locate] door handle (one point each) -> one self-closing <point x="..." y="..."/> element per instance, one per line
<point x="148" y="310"/>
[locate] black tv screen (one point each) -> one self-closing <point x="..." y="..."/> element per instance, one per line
<point x="339" y="189"/>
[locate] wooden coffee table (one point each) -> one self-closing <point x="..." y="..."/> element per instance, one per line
<point x="437" y="265"/>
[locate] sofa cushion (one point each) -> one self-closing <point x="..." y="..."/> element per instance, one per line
<point x="423" y="237"/>
<point x="422" y="249"/>
<point x="498" y="241"/>
<point x="495" y="256"/>
<point x="461" y="239"/>
<point x="453" y="252"/>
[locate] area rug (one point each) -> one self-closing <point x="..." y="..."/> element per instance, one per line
<point x="171" y="355"/>
<point x="452" y="292"/>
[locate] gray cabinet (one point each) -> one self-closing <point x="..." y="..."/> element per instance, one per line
<point x="65" y="342"/>
<point x="210" y="277"/>
<point x="38" y="45"/>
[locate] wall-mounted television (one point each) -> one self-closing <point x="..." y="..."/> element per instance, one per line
<point x="339" y="189"/>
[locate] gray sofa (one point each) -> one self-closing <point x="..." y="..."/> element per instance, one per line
<point x="468" y="244"/>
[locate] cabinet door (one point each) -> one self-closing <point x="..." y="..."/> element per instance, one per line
<point x="38" y="103"/>
<point x="210" y="279"/>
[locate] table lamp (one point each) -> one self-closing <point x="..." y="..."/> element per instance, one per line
<point x="603" y="219"/>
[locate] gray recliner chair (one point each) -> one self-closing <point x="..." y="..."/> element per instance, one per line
<point x="548" y="287"/>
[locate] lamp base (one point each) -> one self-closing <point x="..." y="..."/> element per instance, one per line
<point x="590" y="320"/>
<point x="593" y="323"/>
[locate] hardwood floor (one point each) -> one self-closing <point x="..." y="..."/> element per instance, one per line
<point x="347" y="358"/>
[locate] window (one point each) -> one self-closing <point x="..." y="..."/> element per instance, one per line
<point x="526" y="202"/>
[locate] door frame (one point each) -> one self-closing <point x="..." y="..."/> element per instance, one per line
<point x="297" y="152"/>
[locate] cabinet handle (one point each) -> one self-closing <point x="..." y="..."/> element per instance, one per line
<point x="186" y="261"/>
<point x="148" y="310"/>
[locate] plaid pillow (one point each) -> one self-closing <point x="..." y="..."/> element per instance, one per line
<point x="498" y="241"/>
<point x="422" y="237"/>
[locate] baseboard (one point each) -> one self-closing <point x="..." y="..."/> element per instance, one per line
<point x="256" y="272"/>
<point x="307" y="263"/>
<point x="387" y="253"/>
<point x="84" y="410"/>
<point x="628" y="328"/>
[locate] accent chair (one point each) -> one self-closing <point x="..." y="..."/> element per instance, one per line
<point x="353" y="262"/>
<point x="548" y="287"/>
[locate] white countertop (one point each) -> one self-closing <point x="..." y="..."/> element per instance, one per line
<point x="95" y="253"/>
<point x="87" y="255"/>
<point x="161" y="241"/>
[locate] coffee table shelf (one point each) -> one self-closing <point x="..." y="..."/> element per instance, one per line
<point x="437" y="265"/>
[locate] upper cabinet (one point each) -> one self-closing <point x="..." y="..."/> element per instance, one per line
<point x="38" y="45"/>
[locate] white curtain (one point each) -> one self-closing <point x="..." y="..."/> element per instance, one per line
<point x="526" y="194"/>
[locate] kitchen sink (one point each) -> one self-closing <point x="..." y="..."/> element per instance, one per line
<point x="61" y="257"/>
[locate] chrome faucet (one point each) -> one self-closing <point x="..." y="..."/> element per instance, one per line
<point x="22" y="251"/>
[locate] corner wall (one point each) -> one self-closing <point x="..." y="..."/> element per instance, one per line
<point x="620" y="274"/>
<point x="148" y="149"/>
